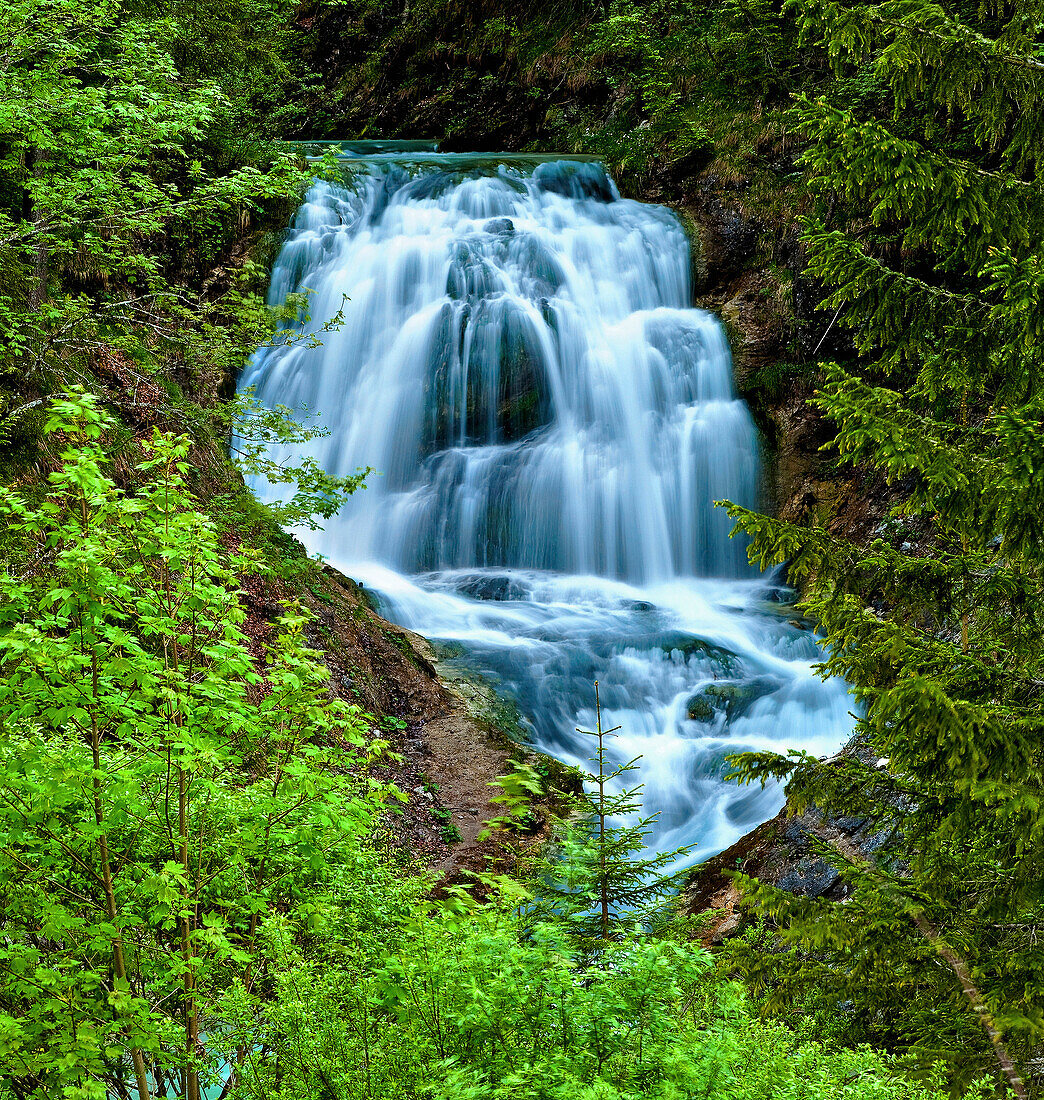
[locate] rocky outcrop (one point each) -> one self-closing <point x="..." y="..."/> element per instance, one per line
<point x="748" y="267"/>
<point x="780" y="853"/>
<point x="777" y="853"/>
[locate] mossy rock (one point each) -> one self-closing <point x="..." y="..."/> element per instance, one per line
<point x="700" y="709"/>
<point x="697" y="250"/>
<point x="690" y="647"/>
<point x="558" y="778"/>
<point x="519" y="414"/>
<point x="371" y="599"/>
<point x="734" y="697"/>
<point x="498" y="712"/>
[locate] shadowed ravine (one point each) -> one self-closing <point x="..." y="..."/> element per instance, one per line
<point x="551" y="422"/>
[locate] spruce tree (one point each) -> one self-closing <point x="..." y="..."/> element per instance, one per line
<point x="602" y="873"/>
<point x="928" y="240"/>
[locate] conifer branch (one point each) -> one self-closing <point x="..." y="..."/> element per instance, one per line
<point x="959" y="967"/>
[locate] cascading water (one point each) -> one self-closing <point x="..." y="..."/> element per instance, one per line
<point x="551" y="422"/>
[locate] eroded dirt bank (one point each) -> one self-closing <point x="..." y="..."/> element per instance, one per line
<point x="452" y="736"/>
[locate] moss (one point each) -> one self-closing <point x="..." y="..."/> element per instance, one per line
<point x="403" y="644"/>
<point x="171" y="388"/>
<point x="770" y="380"/>
<point x="733" y="697"/>
<point x="697" y="251"/>
<point x="700" y="710"/>
<point x="20" y="438"/>
<point x="521" y="414"/>
<point x="557" y="777"/>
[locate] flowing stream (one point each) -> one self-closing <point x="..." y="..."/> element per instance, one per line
<point x="551" y="421"/>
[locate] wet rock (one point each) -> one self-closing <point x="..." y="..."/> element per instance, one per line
<point x="504" y="395"/>
<point x="781" y="594"/>
<point x="689" y="647"/>
<point x="727" y="236"/>
<point x="780" y="853"/>
<point x="519" y="413"/>
<point x="471" y="276"/>
<point x="542" y="275"/>
<point x="521" y="394"/>
<point x="735" y="697"/>
<point x="699" y="709"/>
<point x="574" y="180"/>
<point x="497" y="588"/>
<point x="811" y="877"/>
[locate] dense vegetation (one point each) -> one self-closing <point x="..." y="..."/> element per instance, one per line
<point x="195" y="890"/>
<point x="928" y="243"/>
<point x="198" y="896"/>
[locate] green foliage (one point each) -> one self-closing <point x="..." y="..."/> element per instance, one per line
<point x="190" y="895"/>
<point x="189" y="899"/>
<point x="602" y="876"/>
<point x="478" y="1001"/>
<point x="162" y="797"/>
<point x="449" y="832"/>
<point x="752" y="39"/>
<point x="111" y="192"/>
<point x="928" y="246"/>
<point x="256" y="428"/>
<point x="517" y="790"/>
<point x="625" y="36"/>
<point x="657" y="48"/>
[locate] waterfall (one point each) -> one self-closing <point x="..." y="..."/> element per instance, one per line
<point x="551" y="422"/>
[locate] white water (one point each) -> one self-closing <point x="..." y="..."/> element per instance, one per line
<point x="551" y="421"/>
